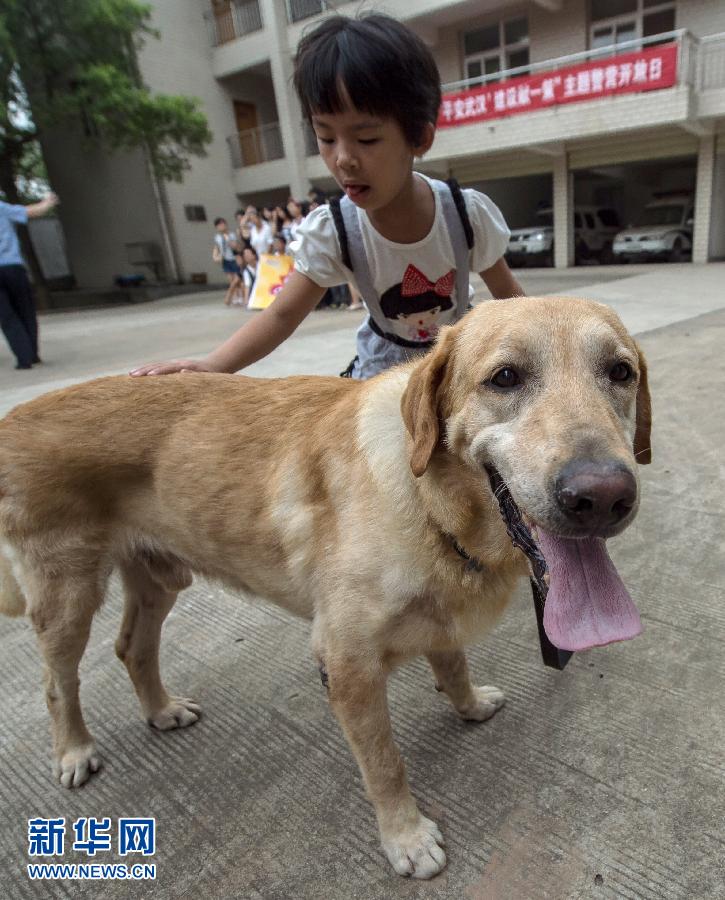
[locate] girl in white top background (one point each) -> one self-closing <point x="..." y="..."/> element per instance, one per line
<point x="296" y="212"/>
<point x="371" y="91"/>
<point x="260" y="231"/>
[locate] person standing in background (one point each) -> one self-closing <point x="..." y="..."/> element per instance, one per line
<point x="249" y="272"/>
<point x="297" y="213"/>
<point x="283" y="223"/>
<point x="242" y="230"/>
<point x="224" y="251"/>
<point x="17" y="309"/>
<point x="279" y="245"/>
<point x="260" y="232"/>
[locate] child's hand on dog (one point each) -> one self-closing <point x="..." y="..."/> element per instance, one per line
<point x="174" y="365"/>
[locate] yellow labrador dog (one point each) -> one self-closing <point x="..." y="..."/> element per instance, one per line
<point x="369" y="511"/>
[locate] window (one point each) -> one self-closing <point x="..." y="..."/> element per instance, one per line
<point x="608" y="9"/>
<point x="195" y="213"/>
<point x="493" y="48"/>
<point x="615" y="21"/>
<point x="488" y="38"/>
<point x="658" y="22"/>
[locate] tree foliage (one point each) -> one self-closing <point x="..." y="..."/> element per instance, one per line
<point x="73" y="63"/>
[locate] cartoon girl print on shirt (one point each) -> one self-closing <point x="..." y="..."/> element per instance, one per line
<point x="413" y="307"/>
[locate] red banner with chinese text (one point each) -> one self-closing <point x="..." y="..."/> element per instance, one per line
<point x="646" y="70"/>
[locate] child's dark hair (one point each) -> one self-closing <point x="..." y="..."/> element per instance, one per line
<point x="219" y="220"/>
<point x="383" y="67"/>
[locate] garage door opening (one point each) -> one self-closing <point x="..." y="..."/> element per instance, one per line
<point x="525" y="202"/>
<point x="649" y="205"/>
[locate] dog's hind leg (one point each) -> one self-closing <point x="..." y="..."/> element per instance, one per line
<point x="151" y="585"/>
<point x="62" y="602"/>
<point x="451" y="672"/>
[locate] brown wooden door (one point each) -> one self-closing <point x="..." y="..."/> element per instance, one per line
<point x="224" y="21"/>
<point x="246" y="119"/>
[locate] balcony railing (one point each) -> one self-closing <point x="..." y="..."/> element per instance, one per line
<point x="303" y="9"/>
<point x="711" y="62"/>
<point x="233" y="19"/>
<point x="687" y="46"/>
<point x="256" y="145"/>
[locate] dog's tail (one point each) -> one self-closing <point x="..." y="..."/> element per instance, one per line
<point x="12" y="601"/>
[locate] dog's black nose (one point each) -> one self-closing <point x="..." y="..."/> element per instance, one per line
<point x="595" y="495"/>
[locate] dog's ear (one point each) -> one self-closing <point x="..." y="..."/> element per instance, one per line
<point x="642" y="445"/>
<point x="420" y="403"/>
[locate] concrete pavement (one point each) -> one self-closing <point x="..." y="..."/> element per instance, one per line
<point x="603" y="781"/>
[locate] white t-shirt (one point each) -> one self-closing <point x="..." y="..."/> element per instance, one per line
<point x="248" y="276"/>
<point x="224" y="243"/>
<point x="317" y="255"/>
<point x="261" y="238"/>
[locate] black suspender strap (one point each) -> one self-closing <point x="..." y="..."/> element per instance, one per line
<point x="341" y="232"/>
<point x="460" y="202"/>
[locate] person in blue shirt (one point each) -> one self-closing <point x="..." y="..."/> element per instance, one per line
<point x="17" y="310"/>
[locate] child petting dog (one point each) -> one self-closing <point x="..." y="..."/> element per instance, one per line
<point x="370" y="88"/>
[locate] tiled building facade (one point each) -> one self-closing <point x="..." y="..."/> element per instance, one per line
<point x="617" y="149"/>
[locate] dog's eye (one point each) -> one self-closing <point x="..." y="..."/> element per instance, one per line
<point x="506" y="378"/>
<point x="620" y="372"/>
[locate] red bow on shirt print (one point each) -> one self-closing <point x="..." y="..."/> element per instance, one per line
<point x="415" y="283"/>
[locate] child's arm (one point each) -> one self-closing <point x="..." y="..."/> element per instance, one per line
<point x="256" y="338"/>
<point x="501" y="282"/>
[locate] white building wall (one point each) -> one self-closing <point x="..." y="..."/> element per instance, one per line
<point x="290" y="114"/>
<point x="181" y="63"/>
<point x="701" y="17"/>
<point x="717" y="212"/>
<point x="448" y="53"/>
<point x="563" y="205"/>
<point x="554" y="34"/>
<point x="703" y="198"/>
<point x="106" y="201"/>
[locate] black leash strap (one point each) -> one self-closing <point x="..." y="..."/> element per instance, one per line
<point x="521" y="538"/>
<point x="553" y="657"/>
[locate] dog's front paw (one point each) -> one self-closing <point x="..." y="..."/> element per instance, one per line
<point x="486" y="701"/>
<point x="179" y="712"/>
<point x="416" y="851"/>
<point x="77" y="765"/>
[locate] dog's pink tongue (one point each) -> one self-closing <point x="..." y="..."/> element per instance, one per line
<point x="587" y="604"/>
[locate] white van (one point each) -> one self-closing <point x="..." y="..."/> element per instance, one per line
<point x="665" y="232"/>
<point x="594" y="231"/>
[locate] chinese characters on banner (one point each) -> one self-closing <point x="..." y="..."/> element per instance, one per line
<point x="646" y="70"/>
